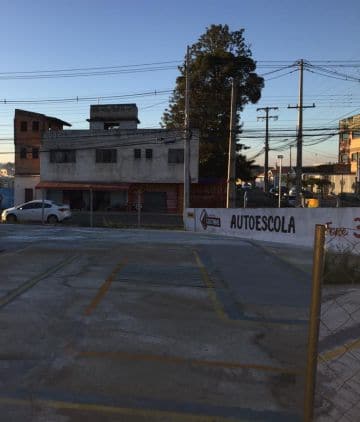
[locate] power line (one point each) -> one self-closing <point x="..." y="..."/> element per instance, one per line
<point x="80" y="99"/>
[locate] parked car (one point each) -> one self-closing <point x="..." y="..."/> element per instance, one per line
<point x="304" y="192"/>
<point x="33" y="210"/>
<point x="292" y="196"/>
<point x="275" y="191"/>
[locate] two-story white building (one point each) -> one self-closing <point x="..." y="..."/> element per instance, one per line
<point x="113" y="161"/>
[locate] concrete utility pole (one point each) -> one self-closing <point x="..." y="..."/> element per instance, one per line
<point x="299" y="143"/>
<point x="266" y="162"/>
<point x="280" y="157"/>
<point x="230" y="191"/>
<point x="357" y="187"/>
<point x="187" y="134"/>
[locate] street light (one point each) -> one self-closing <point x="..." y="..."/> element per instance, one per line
<point x="280" y="157"/>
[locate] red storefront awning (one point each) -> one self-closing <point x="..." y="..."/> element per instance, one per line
<point x="83" y="186"/>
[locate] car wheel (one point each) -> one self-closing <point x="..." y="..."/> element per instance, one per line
<point x="52" y="219"/>
<point x="11" y="218"/>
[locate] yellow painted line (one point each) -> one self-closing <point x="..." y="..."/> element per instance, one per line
<point x="333" y="354"/>
<point x="34" y="280"/>
<point x="219" y="309"/>
<point x="195" y="362"/>
<point x="210" y="288"/>
<point x="127" y="411"/>
<point x="103" y="289"/>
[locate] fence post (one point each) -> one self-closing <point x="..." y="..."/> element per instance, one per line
<point x="314" y="322"/>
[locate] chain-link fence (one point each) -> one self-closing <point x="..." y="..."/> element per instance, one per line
<point x="334" y="335"/>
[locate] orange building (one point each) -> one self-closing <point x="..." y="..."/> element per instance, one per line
<point x="29" y="128"/>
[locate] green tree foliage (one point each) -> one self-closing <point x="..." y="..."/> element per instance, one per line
<point x="217" y="57"/>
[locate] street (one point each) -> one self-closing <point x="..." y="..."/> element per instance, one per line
<point x="136" y="325"/>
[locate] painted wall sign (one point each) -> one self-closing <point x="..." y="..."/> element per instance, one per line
<point x="285" y="225"/>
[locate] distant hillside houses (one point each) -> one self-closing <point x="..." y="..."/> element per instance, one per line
<point x="7" y="169"/>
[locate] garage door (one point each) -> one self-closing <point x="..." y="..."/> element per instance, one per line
<point x="154" y="202"/>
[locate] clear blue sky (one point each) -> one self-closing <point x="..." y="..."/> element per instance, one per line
<point x="43" y="35"/>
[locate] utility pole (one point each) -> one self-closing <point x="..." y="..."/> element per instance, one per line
<point x="187" y="134"/>
<point x="299" y="143"/>
<point x="280" y="157"/>
<point x="357" y="186"/>
<point x="266" y="161"/>
<point x="230" y="191"/>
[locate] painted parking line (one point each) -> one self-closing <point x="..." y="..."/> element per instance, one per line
<point x="125" y="411"/>
<point x="341" y="350"/>
<point x="103" y="289"/>
<point x="10" y="297"/>
<point x="210" y="288"/>
<point x="226" y="311"/>
<point x="184" y="361"/>
<point x="144" y="408"/>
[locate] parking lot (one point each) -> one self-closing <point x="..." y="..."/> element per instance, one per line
<point x="131" y="325"/>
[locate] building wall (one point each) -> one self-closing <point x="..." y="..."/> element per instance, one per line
<point x="30" y="139"/>
<point x="349" y="141"/>
<point x="354" y="154"/>
<point x="174" y="194"/>
<point x="27" y="168"/>
<point x="126" y="124"/>
<point x="22" y="183"/>
<point x="210" y="195"/>
<point x="127" y="168"/>
<point x="124" y="115"/>
<point x="342" y="183"/>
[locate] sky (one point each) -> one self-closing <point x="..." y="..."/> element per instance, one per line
<point x="48" y="35"/>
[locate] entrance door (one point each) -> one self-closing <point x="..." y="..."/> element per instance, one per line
<point x="29" y="195"/>
<point x="154" y="202"/>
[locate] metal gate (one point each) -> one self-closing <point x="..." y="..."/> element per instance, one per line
<point x="154" y="202"/>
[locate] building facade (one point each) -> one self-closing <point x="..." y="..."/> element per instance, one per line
<point x="29" y="128"/>
<point x="113" y="165"/>
<point x="349" y="142"/>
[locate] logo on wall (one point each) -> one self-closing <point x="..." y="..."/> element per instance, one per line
<point x="207" y="220"/>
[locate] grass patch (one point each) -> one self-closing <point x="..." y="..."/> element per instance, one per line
<point x="341" y="267"/>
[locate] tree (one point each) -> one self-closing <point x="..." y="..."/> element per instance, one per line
<point x="217" y="57"/>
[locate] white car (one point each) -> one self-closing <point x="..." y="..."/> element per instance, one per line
<point x="33" y="211"/>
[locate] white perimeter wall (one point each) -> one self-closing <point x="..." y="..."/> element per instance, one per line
<point x="293" y="226"/>
<point x="25" y="182"/>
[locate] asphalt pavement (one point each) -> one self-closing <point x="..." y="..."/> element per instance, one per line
<point x="135" y="325"/>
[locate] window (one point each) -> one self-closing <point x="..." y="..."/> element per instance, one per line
<point x="149" y="154"/>
<point x="35" y="126"/>
<point x="23" y="153"/>
<point x="30" y="206"/>
<point x="29" y="194"/>
<point x="62" y="156"/>
<point x="137" y="153"/>
<point x="106" y="155"/>
<point x="35" y="153"/>
<point x="354" y="157"/>
<point x="111" y="125"/>
<point x="356" y="134"/>
<point x="23" y="126"/>
<point x="176" y="156"/>
<point x="38" y="205"/>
